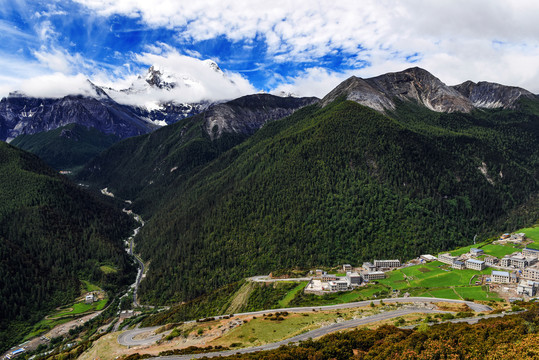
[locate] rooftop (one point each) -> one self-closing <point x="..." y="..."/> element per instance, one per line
<point x="500" y="273"/>
<point x="475" y="261"/>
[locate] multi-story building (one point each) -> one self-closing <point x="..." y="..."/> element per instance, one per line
<point x="519" y="261"/>
<point x="459" y="265"/>
<point x="347" y="268"/>
<point x="339" y="285"/>
<point x="428" y="257"/>
<point x="527" y="287"/>
<point x="475" y="264"/>
<point x="374" y="275"/>
<point x="491" y="260"/>
<point x="505" y="261"/>
<point x="500" y="277"/>
<point x="531" y="272"/>
<point x="476" y="252"/>
<point x="369" y="267"/>
<point x="353" y="278"/>
<point x="382" y="264"/>
<point x="328" y="277"/>
<point x="447" y="258"/>
<point x="530" y="252"/>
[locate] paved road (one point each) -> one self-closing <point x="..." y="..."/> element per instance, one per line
<point x="126" y="338"/>
<point x="308" y="335"/>
<point x="472" y="305"/>
<point x="266" y="278"/>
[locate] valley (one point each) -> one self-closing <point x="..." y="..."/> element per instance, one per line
<point x="391" y="167"/>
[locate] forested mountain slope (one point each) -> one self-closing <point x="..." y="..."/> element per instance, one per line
<point x="52" y="234"/>
<point x="66" y="147"/>
<point x="144" y="168"/>
<point x="342" y="184"/>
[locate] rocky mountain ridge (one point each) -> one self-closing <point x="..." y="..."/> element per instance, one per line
<point x="249" y="113"/>
<point x="26" y="115"/>
<point x="418" y="85"/>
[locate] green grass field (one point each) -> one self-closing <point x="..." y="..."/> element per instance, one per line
<point x="437" y="280"/>
<point x="476" y="292"/>
<point x="108" y="269"/>
<point x="489" y="249"/>
<point x="262" y="331"/>
<point x="89" y="287"/>
<point x="291" y="294"/>
<point x="464" y="250"/>
<point x="533" y="234"/>
<point x="499" y="251"/>
<point x="441" y="293"/>
<point x="80" y="308"/>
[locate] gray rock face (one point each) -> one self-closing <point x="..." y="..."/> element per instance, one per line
<point x="247" y="114"/>
<point x="25" y="115"/>
<point x="170" y="113"/>
<point x="491" y="95"/>
<point x="413" y="84"/>
<point x="420" y="86"/>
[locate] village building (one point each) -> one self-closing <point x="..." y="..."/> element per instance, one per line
<point x="347" y="268"/>
<point x="491" y="260"/>
<point x="530" y="252"/>
<point x="500" y="277"/>
<point x="384" y="264"/>
<point x="475" y="264"/>
<point x="328" y="277"/>
<point x="374" y="275"/>
<point x="527" y="287"/>
<point x="476" y="252"/>
<point x="353" y="279"/>
<point x="513" y="278"/>
<point x="339" y="285"/>
<point x="447" y="258"/>
<point x="89" y="299"/>
<point x="428" y="257"/>
<point x="519" y="261"/>
<point x="531" y="272"/>
<point x="459" y="265"/>
<point x="505" y="261"/>
<point x="369" y="267"/>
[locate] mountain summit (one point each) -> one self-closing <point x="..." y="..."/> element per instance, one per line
<point x="418" y="85"/>
<point x="491" y="95"/>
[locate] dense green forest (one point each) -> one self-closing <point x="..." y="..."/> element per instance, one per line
<point x="67" y="147"/>
<point x="324" y="186"/>
<point x="52" y="234"/>
<point x="342" y="184"/>
<point x="143" y="168"/>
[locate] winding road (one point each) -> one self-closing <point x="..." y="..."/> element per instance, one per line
<point x="128" y="338"/>
<point x="320" y="332"/>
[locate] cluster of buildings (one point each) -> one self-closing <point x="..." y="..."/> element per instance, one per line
<point x="323" y="282"/>
<point x="520" y="268"/>
<point x="467" y="261"/>
<point x="511" y="238"/>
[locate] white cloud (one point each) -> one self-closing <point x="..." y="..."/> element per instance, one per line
<point x="312" y="82"/>
<point x="456" y="40"/>
<point x="195" y="80"/>
<point x="56" y="85"/>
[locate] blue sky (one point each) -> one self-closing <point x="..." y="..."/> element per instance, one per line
<point x="304" y="47"/>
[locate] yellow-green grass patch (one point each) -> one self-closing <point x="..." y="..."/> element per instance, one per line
<point x="263" y="331"/>
<point x="107" y="269"/>
<point x="291" y="294"/>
